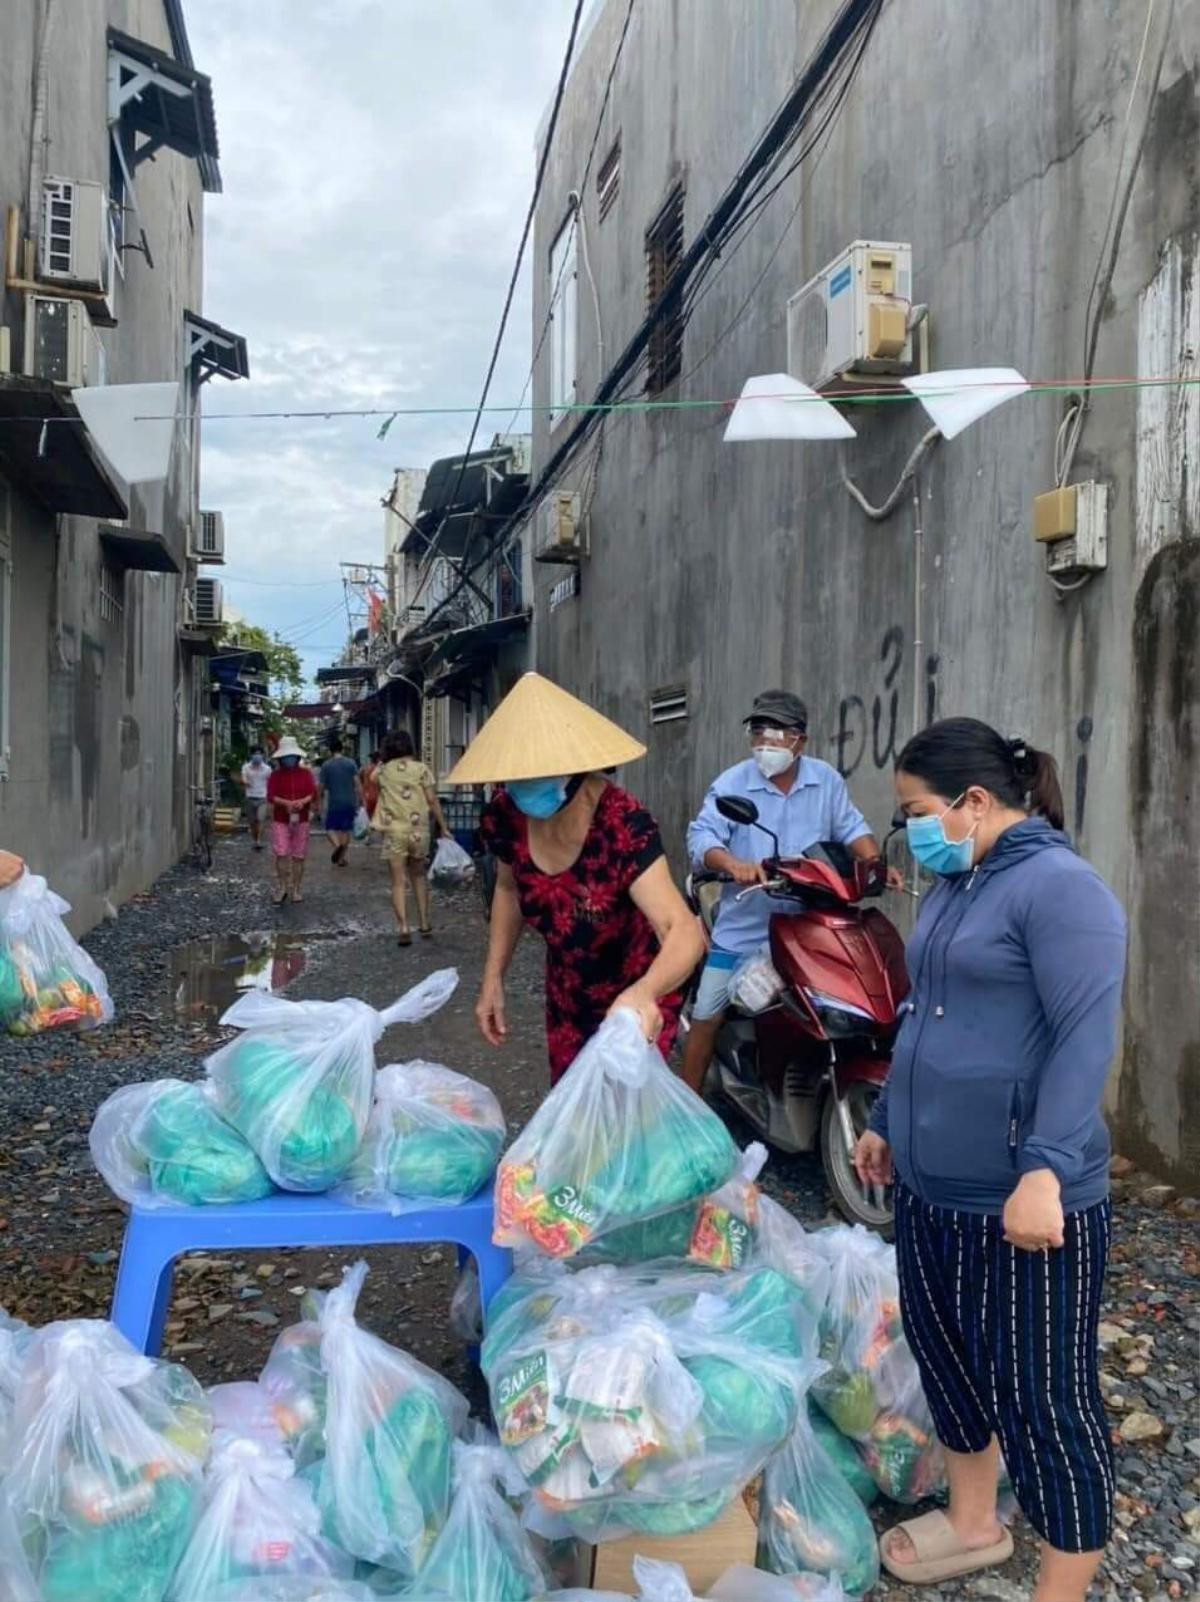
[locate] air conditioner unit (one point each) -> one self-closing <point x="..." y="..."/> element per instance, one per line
<point x="60" y="342"/>
<point x="207" y="606"/>
<point x="851" y="320"/>
<point x="558" y="528"/>
<point x="208" y="537"/>
<point x="75" y="244"/>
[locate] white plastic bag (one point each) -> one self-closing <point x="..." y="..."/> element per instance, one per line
<point x="257" y="1520"/>
<point x="466" y="1305"/>
<point x="433" y="1137"/>
<point x="14" y="1342"/>
<point x="165" y="1143"/>
<point x="872" y="1390"/>
<point x="451" y="865"/>
<point x="619" y="1139"/>
<point x="243" y="1408"/>
<point x="373" y="1425"/>
<point x="298" y="1081"/>
<point x="810" y="1520"/>
<point x="482" y="1554"/>
<point x="754" y="984"/>
<point x="47" y="980"/>
<point x="666" y="1582"/>
<point x="103" y="1485"/>
<point x="362" y="824"/>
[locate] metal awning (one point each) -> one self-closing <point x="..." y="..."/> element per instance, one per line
<point x="48" y="454"/>
<point x="324" y="709"/>
<point x="216" y="351"/>
<point x="172" y="105"/>
<point x="139" y="549"/>
<point x="345" y="672"/>
<point x="230" y="666"/>
<point x="199" y="642"/>
<point x="461" y="652"/>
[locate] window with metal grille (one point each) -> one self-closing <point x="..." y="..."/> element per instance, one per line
<point x="668" y="705"/>
<point x="608" y="179"/>
<point x="664" y="252"/>
<point x="112" y="593"/>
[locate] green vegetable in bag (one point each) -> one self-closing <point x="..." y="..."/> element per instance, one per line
<point x="844" y="1454"/>
<point x="129" y="1559"/>
<point x="318" y="1137"/>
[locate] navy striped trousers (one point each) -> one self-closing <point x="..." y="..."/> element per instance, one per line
<point x="1005" y="1341"/>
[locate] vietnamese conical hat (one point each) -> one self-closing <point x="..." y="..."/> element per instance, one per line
<point x="538" y="732"/>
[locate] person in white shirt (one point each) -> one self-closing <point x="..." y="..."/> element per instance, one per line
<point x="255" y="774"/>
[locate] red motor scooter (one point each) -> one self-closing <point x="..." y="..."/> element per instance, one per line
<point x="804" y="1049"/>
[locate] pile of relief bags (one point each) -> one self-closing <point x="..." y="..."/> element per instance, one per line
<point x="669" y="1335"/>
<point x="47" y="980"/>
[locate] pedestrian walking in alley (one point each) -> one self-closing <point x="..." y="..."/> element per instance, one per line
<point x="255" y="774"/>
<point x="339" y="798"/>
<point x="803" y="801"/>
<point x="582" y="862"/>
<point x="407" y="800"/>
<point x="991" y="1125"/>
<point x="291" y="791"/>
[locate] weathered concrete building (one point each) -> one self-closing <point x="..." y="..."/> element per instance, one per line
<point x="1040" y="159"/>
<point x="107" y="149"/>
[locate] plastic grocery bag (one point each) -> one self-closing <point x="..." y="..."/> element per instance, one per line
<point x="810" y="1521"/>
<point x="481" y="1554"/>
<point x="844" y="1454"/>
<point x="362" y="824"/>
<point x="102" y="1489"/>
<point x="163" y="1143"/>
<point x="298" y="1082"/>
<point x="294" y="1588"/>
<point x="243" y="1408"/>
<point x="47" y="980"/>
<point x="433" y="1136"/>
<point x="619" y="1139"/>
<point x="781" y="1242"/>
<point x="872" y="1389"/>
<point x="667" y="1582"/>
<point x="372" y="1426"/>
<point x="466" y="1305"/>
<point x="643" y="1400"/>
<point x="256" y="1520"/>
<point x="14" y="1342"/>
<point x="451" y="865"/>
<point x="754" y="984"/>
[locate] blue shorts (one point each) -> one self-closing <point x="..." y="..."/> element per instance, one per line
<point x="712" y="993"/>
<point x="339" y="820"/>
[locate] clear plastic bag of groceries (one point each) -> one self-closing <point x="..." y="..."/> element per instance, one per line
<point x="451" y="865"/>
<point x="15" y="1338"/>
<point x="755" y="985"/>
<point x="294" y="1588"/>
<point x="257" y="1519"/>
<point x="482" y="1553"/>
<point x="244" y="1408"/>
<point x="644" y="1400"/>
<point x="872" y="1390"/>
<point x="103" y="1485"/>
<point x="297" y="1083"/>
<point x="619" y="1139"/>
<point x="434" y="1136"/>
<point x="657" y="1581"/>
<point x="370" y="1427"/>
<point x="810" y="1519"/>
<point x="164" y="1143"/>
<point x="47" y="979"/>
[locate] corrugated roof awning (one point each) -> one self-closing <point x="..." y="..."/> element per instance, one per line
<point x="139" y="549"/>
<point x="345" y="672"/>
<point x="48" y="454"/>
<point x="218" y="351"/>
<point x="170" y="104"/>
<point x="459" y="654"/>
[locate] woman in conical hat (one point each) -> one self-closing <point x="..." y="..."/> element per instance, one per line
<point x="582" y="862"/>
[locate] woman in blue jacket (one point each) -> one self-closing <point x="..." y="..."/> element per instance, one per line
<point x="991" y="1126"/>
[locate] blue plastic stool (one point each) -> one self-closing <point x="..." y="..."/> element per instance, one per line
<point x="155" y="1237"/>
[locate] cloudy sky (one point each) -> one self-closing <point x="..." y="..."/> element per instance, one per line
<point x="377" y="159"/>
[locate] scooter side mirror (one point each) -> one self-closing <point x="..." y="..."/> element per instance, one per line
<point x="737" y="809"/>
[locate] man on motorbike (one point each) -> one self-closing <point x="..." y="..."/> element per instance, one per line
<point x="799" y="798"/>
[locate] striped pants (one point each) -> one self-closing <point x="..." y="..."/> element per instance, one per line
<point x="1005" y="1341"/>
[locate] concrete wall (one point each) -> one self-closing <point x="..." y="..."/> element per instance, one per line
<point x="987" y="135"/>
<point x="103" y="713"/>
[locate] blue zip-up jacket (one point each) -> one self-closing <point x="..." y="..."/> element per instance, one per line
<point x="1008" y="1032"/>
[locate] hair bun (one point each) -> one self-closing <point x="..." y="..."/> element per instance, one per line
<point x="1024" y="758"/>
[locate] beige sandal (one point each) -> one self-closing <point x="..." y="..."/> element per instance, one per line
<point x="940" y="1554"/>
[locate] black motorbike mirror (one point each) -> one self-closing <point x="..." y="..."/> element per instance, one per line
<point x="737" y="809"/>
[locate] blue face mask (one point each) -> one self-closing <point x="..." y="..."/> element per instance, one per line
<point x="538" y="798"/>
<point x="928" y="843"/>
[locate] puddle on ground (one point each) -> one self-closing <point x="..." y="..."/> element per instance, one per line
<point x="206" y="976"/>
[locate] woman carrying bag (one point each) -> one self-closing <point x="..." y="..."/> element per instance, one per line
<point x="991" y="1124"/>
<point x="582" y="862"/>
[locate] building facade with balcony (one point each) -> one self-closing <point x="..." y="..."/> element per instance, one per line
<point x="106" y="620"/>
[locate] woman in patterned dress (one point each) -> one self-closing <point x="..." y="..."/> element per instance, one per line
<point x="407" y="797"/>
<point x="582" y="862"/>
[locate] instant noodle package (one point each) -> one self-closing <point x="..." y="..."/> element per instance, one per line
<point x="47" y="980"/>
<point x="618" y="1140"/>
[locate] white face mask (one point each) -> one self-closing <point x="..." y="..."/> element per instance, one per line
<point x="773" y="760"/>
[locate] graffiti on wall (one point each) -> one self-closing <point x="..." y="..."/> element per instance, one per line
<point x="873" y="730"/>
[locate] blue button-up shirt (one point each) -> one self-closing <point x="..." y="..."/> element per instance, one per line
<point x="817" y="807"/>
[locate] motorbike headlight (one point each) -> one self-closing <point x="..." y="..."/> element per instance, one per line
<point x="823" y="1003"/>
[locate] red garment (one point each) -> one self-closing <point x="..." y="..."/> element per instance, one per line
<point x="291" y="784"/>
<point x="597" y="941"/>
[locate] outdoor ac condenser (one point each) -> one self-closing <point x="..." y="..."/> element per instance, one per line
<point x="208" y="542"/>
<point x="60" y="342"/>
<point x="75" y="243"/>
<point x="851" y="320"/>
<point x="208" y="609"/>
<point x="558" y="528"/>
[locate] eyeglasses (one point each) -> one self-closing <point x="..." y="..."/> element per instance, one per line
<point x="765" y="733"/>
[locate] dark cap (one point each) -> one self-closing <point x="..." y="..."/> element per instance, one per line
<point x="779" y="707"/>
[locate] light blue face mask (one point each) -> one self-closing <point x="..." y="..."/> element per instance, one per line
<point x="538" y="798"/>
<point x="928" y="843"/>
